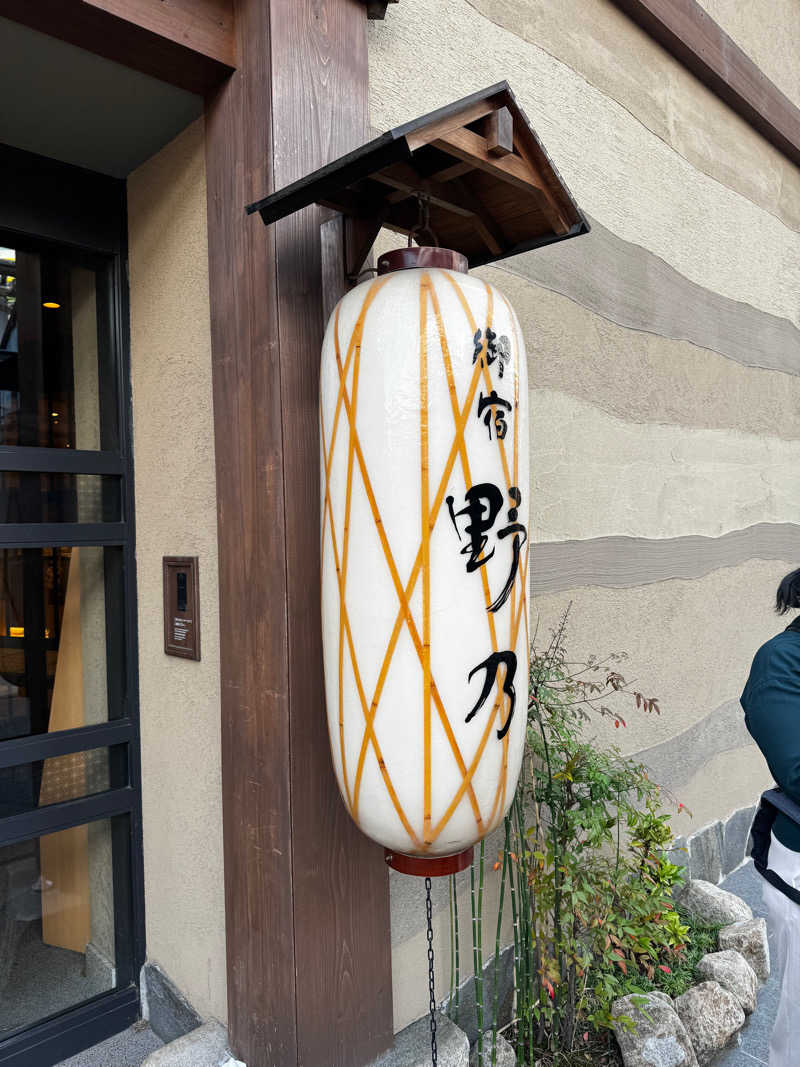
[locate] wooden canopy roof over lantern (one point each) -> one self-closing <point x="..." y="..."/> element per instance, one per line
<point x="473" y="174"/>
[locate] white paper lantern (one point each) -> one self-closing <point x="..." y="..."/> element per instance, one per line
<point x="425" y="548"/>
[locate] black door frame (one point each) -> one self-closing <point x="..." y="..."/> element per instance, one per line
<point x="41" y="202"/>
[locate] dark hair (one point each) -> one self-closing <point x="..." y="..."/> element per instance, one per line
<point x="788" y="595"/>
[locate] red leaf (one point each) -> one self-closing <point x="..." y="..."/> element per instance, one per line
<point x="586" y="1035"/>
<point x="664" y="968"/>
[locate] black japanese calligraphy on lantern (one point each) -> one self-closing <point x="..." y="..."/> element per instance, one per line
<point x="497" y="348"/>
<point x="484" y="501"/>
<point x="483" y="504"/>
<point x="520" y="534"/>
<point x="491" y="665"/>
<point x="493" y="405"/>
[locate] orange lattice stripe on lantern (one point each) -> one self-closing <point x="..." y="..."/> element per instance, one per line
<point x="499" y="801"/>
<point x="369" y="735"/>
<point x="404" y="614"/>
<point x="430" y="516"/>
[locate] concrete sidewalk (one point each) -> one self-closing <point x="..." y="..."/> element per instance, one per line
<point x="754" y="1048"/>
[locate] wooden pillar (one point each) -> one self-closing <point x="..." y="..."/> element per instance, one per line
<point x="309" y="967"/>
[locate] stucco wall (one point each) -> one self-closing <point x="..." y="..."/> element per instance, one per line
<point x="664" y="365"/>
<point x="770" y="34"/>
<point x="176" y="515"/>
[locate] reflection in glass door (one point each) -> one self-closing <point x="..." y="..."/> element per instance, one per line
<point x="70" y="866"/>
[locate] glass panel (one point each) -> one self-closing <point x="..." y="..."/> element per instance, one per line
<point x="57" y="943"/>
<point x="52" y="360"/>
<point x="80" y="774"/>
<point x="56" y="639"/>
<point x="59" y="498"/>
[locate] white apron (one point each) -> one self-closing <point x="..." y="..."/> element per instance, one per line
<point x="783" y="918"/>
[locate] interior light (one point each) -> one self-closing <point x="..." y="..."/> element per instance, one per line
<point x="17" y="631"/>
<point x="8" y="254"/>
<point x="50" y="304"/>
<point x="54" y="414"/>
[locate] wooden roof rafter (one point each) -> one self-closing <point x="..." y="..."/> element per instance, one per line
<point x="488" y="188"/>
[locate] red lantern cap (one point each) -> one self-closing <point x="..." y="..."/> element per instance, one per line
<point x="429" y="866"/>
<point x="422" y="256"/>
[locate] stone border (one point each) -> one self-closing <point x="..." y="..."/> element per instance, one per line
<point x="712" y="852"/>
<point x="695" y="1027"/>
<point x="164" y="1006"/>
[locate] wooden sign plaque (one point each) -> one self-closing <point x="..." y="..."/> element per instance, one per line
<point x="182" y="607"/>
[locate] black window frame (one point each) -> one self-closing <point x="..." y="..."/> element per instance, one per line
<point x="90" y="221"/>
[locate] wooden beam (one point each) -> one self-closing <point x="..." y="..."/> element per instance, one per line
<point x="689" y="33"/>
<point x="472" y="148"/>
<point x="188" y="43"/>
<point x="307" y="904"/>
<point x="407" y="182"/>
<point x="499" y="132"/>
<point x="455" y="171"/>
<point x="491" y="234"/>
<point x="456" y="197"/>
<point x="451" y="122"/>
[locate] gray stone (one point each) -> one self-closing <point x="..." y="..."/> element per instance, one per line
<point x="167" y="1010"/>
<point x="207" y="1046"/>
<point x="412" y="1046"/>
<point x="710" y="904"/>
<point x="658" y="1038"/>
<point x="127" y="1049"/>
<point x="712" y="1017"/>
<point x="735" y="837"/>
<point x="679" y="855"/>
<point x="505" y="1056"/>
<point x="750" y="938"/>
<point x="664" y="997"/>
<point x="705" y="852"/>
<point x="467" y="1015"/>
<point x="733" y="973"/>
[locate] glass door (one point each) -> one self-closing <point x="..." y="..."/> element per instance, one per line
<point x="70" y="852"/>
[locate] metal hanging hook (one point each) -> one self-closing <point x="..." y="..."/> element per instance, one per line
<point x="423" y="224"/>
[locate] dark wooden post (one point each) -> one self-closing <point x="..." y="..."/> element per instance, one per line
<point x="309" y="968"/>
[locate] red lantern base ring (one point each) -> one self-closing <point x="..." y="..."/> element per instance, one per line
<point x="429" y="866"/>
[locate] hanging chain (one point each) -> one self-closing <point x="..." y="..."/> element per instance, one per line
<point x="429" y="915"/>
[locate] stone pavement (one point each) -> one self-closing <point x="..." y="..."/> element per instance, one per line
<point x="128" y="1049"/>
<point x="754" y="1049"/>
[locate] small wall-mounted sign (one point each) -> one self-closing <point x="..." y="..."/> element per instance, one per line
<point x="182" y="606"/>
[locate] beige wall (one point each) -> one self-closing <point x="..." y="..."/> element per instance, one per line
<point x="769" y="31"/>
<point x="664" y="366"/>
<point x="176" y="515"/>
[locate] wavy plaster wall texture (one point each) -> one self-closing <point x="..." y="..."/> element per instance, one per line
<point x="715" y="792"/>
<point x="595" y="475"/>
<point x="637" y="374"/>
<point x="663" y="352"/>
<point x="770" y="34"/>
<point x="630" y="181"/>
<point x="176" y="515"/>
<point x="631" y="286"/>
<point x="623" y="562"/>
<point x="689" y="642"/>
<point x="611" y="52"/>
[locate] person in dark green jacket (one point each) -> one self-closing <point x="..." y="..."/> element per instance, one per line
<point x="771" y="702"/>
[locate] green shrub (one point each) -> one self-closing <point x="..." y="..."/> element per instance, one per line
<point x="589" y="881"/>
